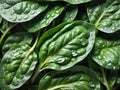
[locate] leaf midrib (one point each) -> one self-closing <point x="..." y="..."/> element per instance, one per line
<point x="47" y="59"/>
<point x="101" y="16"/>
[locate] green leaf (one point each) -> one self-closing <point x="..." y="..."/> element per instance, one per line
<point x="47" y="17"/>
<point x="17" y="38"/>
<point x="106" y="52"/>
<point x="106" y="15"/>
<point x="107" y="77"/>
<point x="20" y="10"/>
<point x="65" y="45"/>
<point x="72" y="1"/>
<point x="68" y="15"/>
<point x="75" y="78"/>
<point x="17" y="66"/>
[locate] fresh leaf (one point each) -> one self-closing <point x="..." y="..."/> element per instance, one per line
<point x="106" y="52"/>
<point x="65" y="45"/>
<point x="68" y="15"/>
<point x="106" y="15"/>
<point x="17" y="66"/>
<point x="75" y="78"/>
<point x="20" y="10"/>
<point x="107" y="77"/>
<point x="72" y="1"/>
<point x="17" y="38"/>
<point x="45" y="18"/>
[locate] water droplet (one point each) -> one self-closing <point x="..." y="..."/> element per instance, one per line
<point x="81" y="51"/>
<point x="57" y="11"/>
<point x="74" y="53"/>
<point x="109" y="64"/>
<point x="107" y="23"/>
<point x="100" y="57"/>
<point x="47" y="22"/>
<point x="53" y="15"/>
<point x="114" y="67"/>
<point x="14" y="17"/>
<point x="60" y="60"/>
<point x="113" y="28"/>
<point x="84" y="42"/>
<point x="32" y="12"/>
<point x="26" y="17"/>
<point x="48" y="16"/>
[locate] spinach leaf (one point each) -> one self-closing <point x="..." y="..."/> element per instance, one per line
<point x="72" y="1"/>
<point x="75" y="78"/>
<point x="17" y="66"/>
<point x="20" y="10"/>
<point x="47" y="17"/>
<point x="65" y="45"/>
<point x="106" y="52"/>
<point x="69" y="44"/>
<point x="17" y="38"/>
<point x="107" y="77"/>
<point x="69" y="14"/>
<point x="106" y="15"/>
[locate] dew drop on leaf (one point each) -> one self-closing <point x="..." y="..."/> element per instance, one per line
<point x="60" y="60"/>
<point x="74" y="53"/>
<point x="100" y="57"/>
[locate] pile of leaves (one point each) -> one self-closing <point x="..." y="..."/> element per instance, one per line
<point x="59" y="44"/>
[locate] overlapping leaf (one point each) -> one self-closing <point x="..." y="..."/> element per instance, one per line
<point x="17" y="38"/>
<point x="17" y="66"/>
<point x="20" y="10"/>
<point x="72" y="1"/>
<point x="65" y="45"/>
<point x="76" y="78"/>
<point x="105" y="15"/>
<point x="106" y="52"/>
<point x="107" y="77"/>
<point x="45" y="18"/>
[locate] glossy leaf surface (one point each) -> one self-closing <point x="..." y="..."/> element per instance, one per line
<point x="65" y="45"/>
<point x="45" y="18"/>
<point x="72" y="1"/>
<point x="106" y="52"/>
<point x="107" y="77"/>
<point x="20" y="10"/>
<point x="17" y="38"/>
<point x="105" y="15"/>
<point x="76" y="78"/>
<point x="68" y="15"/>
<point x="17" y="66"/>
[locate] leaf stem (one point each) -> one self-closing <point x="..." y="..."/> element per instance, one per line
<point x="105" y="80"/>
<point x="5" y="33"/>
<point x="38" y="70"/>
